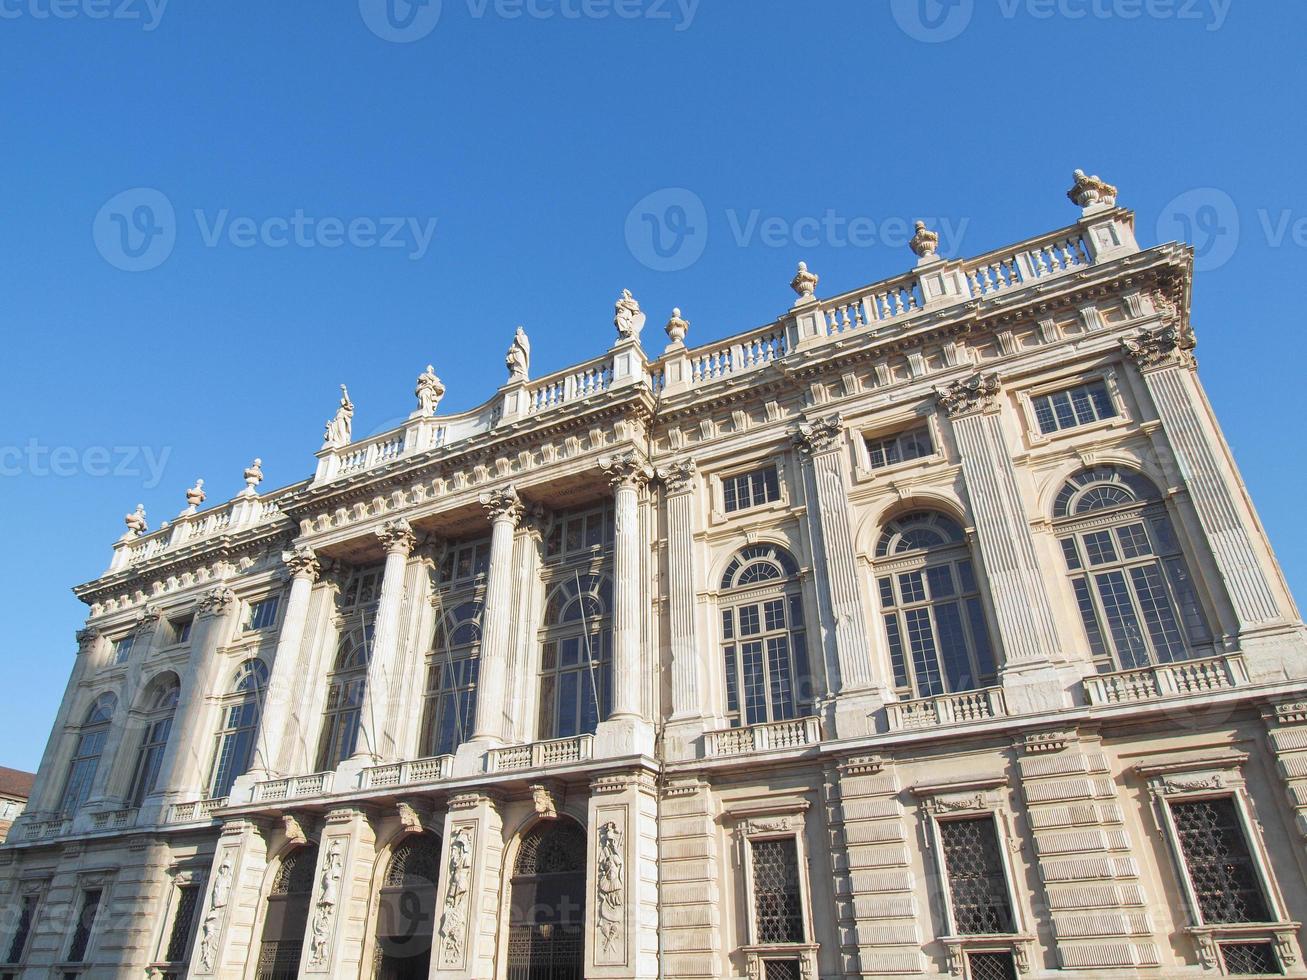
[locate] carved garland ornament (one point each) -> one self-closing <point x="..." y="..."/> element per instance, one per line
<point x="215" y="600"/>
<point x="397" y="537"/>
<point x="678" y="477"/>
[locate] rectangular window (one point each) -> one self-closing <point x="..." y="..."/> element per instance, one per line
<point x="777" y="896"/>
<point x="179" y="936"/>
<point x="1073" y="407"/>
<point x="122" y="648"/>
<point x="978" y="889"/>
<point x="1220" y="865"/>
<point x="263" y="614"/>
<point x="752" y="489"/>
<point x="181" y="630"/>
<point x="914" y="443"/>
<point x="85" y="922"/>
<point x="26" y="915"/>
<point x="1250" y="960"/>
<point x="991" y="966"/>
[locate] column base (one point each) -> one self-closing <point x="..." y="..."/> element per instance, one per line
<point x="348" y="772"/>
<point x="470" y="757"/>
<point x="683" y="739"/>
<point x="854" y="714"/>
<point x="624" y="735"/>
<point x="1275" y="655"/>
<point x="1037" y="686"/>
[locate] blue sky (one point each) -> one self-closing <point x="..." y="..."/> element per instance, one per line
<point x="500" y="146"/>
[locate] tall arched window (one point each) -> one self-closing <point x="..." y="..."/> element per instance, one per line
<point x="240" y="725"/>
<point x="764" y="642"/>
<point x="450" y="703"/>
<point x="160" y="707"/>
<point x="86" y="756"/>
<point x="346" y="688"/>
<point x="287" y="915"/>
<point x="934" y="619"/>
<point x="575" y="656"/>
<point x="547" y="899"/>
<point x="406" y="912"/>
<point x="1131" y="582"/>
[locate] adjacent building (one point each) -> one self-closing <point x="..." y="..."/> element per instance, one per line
<point x="15" y="788"/>
<point x="927" y="630"/>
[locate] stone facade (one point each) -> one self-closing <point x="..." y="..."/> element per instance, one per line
<point x="928" y="630"/>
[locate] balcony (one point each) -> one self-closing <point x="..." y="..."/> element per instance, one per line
<point x="761" y="738"/>
<point x="946" y="709"/>
<point x="113" y="820"/>
<point x="407" y="773"/>
<point x="537" y="754"/>
<point x="195" y="811"/>
<point x="293" y="787"/>
<point x="47" y="829"/>
<point x="1180" y="679"/>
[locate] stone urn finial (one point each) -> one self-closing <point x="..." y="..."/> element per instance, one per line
<point x="135" y="522"/>
<point x="677" y="328"/>
<point x="253" y="477"/>
<point x="805" y="284"/>
<point x="195" y="496"/>
<point x="1091" y="193"/>
<point x="925" y="243"/>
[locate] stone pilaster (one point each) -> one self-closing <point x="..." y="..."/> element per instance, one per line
<point x="333" y="941"/>
<point x="225" y="940"/>
<point x="1096" y="904"/>
<point x="304" y="569"/>
<point x="689" y="884"/>
<point x="1286" y="722"/>
<point x="687" y="682"/>
<point x="627" y="728"/>
<point x="821" y="445"/>
<point x="492" y="717"/>
<point x="875" y="892"/>
<point x="621" y="913"/>
<point x="468" y="899"/>
<point x="1022" y="606"/>
<point x="47" y="785"/>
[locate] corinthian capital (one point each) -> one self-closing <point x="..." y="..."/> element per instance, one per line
<point x="397" y="537"/>
<point x="302" y="561"/>
<point x="215" y="601"/>
<point x="977" y="393"/>
<point x="627" y="469"/>
<point x="819" y="436"/>
<point x="86" y="639"/>
<point x="1172" y="344"/>
<point x="502" y="505"/>
<point x="678" y="477"/>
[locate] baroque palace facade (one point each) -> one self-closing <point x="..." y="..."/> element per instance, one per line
<point x="925" y="631"/>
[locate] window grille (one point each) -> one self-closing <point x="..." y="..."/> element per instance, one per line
<point x="777" y="899"/>
<point x="179" y="938"/>
<point x="85" y="922"/>
<point x="1250" y="960"/>
<point x="752" y="489"/>
<point x="1073" y="407"/>
<point x="992" y="966"/>
<point x="26" y="914"/>
<point x="901" y="447"/>
<point x="977" y="882"/>
<point x="782" y="970"/>
<point x="1220" y="866"/>
<point x="279" y="960"/>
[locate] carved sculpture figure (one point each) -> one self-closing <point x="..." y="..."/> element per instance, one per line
<point x="610" y="885"/>
<point x="630" y="318"/>
<point x="212" y="919"/>
<point x="136" y="521"/>
<point x="429" y="391"/>
<point x="518" y="357"/>
<point x="454" y="917"/>
<point x="332" y="873"/>
<point x="253" y="475"/>
<point x="341" y="427"/>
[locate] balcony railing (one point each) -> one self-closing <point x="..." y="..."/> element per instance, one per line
<point x="760" y="738"/>
<point x="946" y="709"/>
<point x="1184" y="677"/>
<point x="293" y="787"/>
<point x="195" y="811"/>
<point x="46" y="829"/>
<point x="407" y="773"/>
<point x="537" y="754"/>
<point x="113" y="819"/>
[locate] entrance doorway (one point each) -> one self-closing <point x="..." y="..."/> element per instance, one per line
<point x="406" y="916"/>
<point x="546" y="937"/>
<point x="287" y="915"/>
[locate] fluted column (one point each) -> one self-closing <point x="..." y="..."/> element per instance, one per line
<point x="304" y="569"/>
<point x="398" y="539"/>
<point x="679" y="483"/>
<point x="628" y="474"/>
<point x="49" y="774"/>
<point x="1022" y="606"/>
<point x="504" y="508"/>
<point x="1164" y="358"/>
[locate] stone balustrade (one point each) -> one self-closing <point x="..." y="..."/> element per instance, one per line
<point x="195" y="811"/>
<point x="1179" y="679"/>
<point x="761" y="738"/>
<point x="946" y="709"/>
<point x="535" y="755"/>
<point x="113" y="820"/>
<point x="407" y="773"/>
<point x="47" y="829"/>
<point x="293" y="787"/>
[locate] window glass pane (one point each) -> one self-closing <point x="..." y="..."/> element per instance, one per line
<point x="796" y="611"/>
<point x="778" y="667"/>
<point x="1062" y="409"/>
<point x="732" y="688"/>
<point x="953" y="646"/>
<point x="978" y="889"/>
<point x="925" y="663"/>
<point x="886" y="587"/>
<point x="774" y="614"/>
<point x="1044" y="415"/>
<point x="1191" y="612"/>
<point x="897" y="662"/>
<point x="940" y="578"/>
<point x="1156" y="606"/>
<point x="750" y="624"/>
<point x="728" y="619"/>
<point x="912" y="587"/>
<point x="980" y="636"/>
<point x="755" y="697"/>
<point x="1072" y="556"/>
<point x="966" y="576"/>
<point x="567" y="705"/>
<point x="1085" y="603"/>
<point x="1099" y="547"/>
<point x="1134" y="541"/>
<point x="179" y="937"/>
<point x="1122" y="620"/>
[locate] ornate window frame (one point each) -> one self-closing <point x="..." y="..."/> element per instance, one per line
<point x="87" y="882"/>
<point x="1219" y="777"/>
<point x="864" y="472"/>
<point x="179" y="877"/>
<point x="36" y="888"/>
<point x="778" y="820"/>
<point x="1110" y="379"/>
<point x="717" y="513"/>
<point x="963" y="799"/>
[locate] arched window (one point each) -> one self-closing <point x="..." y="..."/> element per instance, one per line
<point x="406" y="912"/>
<point x="346" y="689"/>
<point x="547" y="901"/>
<point x="1133" y="588"/>
<point x="86" y="756"/>
<point x="934" y="619"/>
<point x="240" y="725"/>
<point x="450" y="703"/>
<point x="287" y="915"/>
<point x="160" y="707"/>
<point x="764" y="643"/>
<point x="575" y="656"/>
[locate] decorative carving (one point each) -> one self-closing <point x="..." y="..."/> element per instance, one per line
<point x="677" y="328"/>
<point x="925" y="243"/>
<point x="789" y="823"/>
<point x="502" y="505"/>
<point x="518" y="358"/>
<point x="430" y="389"/>
<point x="1089" y="192"/>
<point x="340" y="429"/>
<point x="86" y="639"/>
<point x="195" y="496"/>
<point x="955" y="804"/>
<point x="409" y="819"/>
<point x="253" y="477"/>
<point x="627" y="469"/>
<point x="1165" y="345"/>
<point x="629" y="318"/>
<point x="453" y="920"/>
<point x="820" y="436"/>
<point x="215" y="600"/>
<point x="397" y="537"/>
<point x="1291" y="712"/>
<point x="212" y="924"/>
<point x="611" y="888"/>
<point x="1036" y="742"/>
<point x="332" y="873"/>
<point x="293" y="829"/>
<point x="135" y="522"/>
<point x="302" y="561"/>
<point x="544" y="801"/>
<point x="678" y="477"/>
<point x="976" y="394"/>
<point x="862" y="765"/>
<point x="1196" y="784"/>
<point x="805" y="284"/>
<point x="147" y="616"/>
